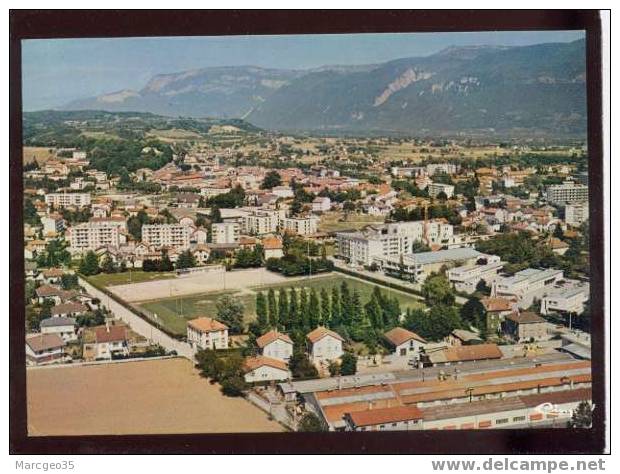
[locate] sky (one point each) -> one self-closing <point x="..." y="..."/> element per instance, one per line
<point x="57" y="71"/>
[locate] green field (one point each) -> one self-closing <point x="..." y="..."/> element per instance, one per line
<point x="175" y="312"/>
<point x="125" y="278"/>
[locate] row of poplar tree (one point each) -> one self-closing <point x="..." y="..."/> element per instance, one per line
<point x="301" y="310"/>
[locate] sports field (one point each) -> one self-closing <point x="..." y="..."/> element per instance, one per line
<point x="146" y="397"/>
<point x="176" y="311"/>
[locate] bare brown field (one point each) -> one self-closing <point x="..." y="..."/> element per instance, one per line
<point x="40" y="153"/>
<point x="146" y="397"/>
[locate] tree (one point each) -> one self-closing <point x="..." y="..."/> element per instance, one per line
<point x="335" y="313"/>
<point x="216" y="215"/>
<point x="474" y="313"/>
<point x="271" y="180"/>
<point x="274" y="318"/>
<point x="293" y="309"/>
<point x="283" y="308"/>
<point x="303" y="310"/>
<point x="582" y="416"/>
<point x="349" y="364"/>
<point x="30" y="213"/>
<point x="437" y="291"/>
<point x="55" y="254"/>
<point x="418" y="247"/>
<point x="186" y="259"/>
<point x="262" y="316"/>
<point x="89" y="265"/>
<point x="435" y="325"/>
<point x="558" y="233"/>
<point x="314" y="309"/>
<point x="69" y="281"/>
<point x="107" y="265"/>
<point x="230" y="311"/>
<point x="165" y="264"/>
<point x="311" y="423"/>
<point x="325" y="307"/>
<point x="233" y="386"/>
<point x="301" y="367"/>
<point x="334" y="368"/>
<point x="346" y="304"/>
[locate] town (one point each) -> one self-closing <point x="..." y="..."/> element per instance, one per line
<point x="325" y="283"/>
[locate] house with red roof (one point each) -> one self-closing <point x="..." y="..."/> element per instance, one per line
<point x="324" y="345"/>
<point x="207" y="333"/>
<point x="404" y="342"/>
<point x="275" y="345"/>
<point x="265" y="369"/>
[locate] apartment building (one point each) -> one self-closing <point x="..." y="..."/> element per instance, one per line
<point x="53" y="223"/>
<point x="526" y="285"/>
<point x="300" y="225"/>
<point x="166" y="235"/>
<point x="567" y="192"/>
<point x="447" y="168"/>
<point x="418" y="266"/>
<point x="466" y="277"/>
<point x="225" y="232"/>
<point x="67" y="199"/>
<point x="321" y="204"/>
<point x="434" y="189"/>
<point x="260" y="222"/>
<point x="389" y="240"/>
<point x="576" y="213"/>
<point x="88" y="236"/>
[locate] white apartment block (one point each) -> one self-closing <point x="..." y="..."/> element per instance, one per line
<point x="389" y="240"/>
<point x="321" y="204"/>
<point x="67" y="199"/>
<point x="567" y="192"/>
<point x="448" y="168"/>
<point x="526" y="285"/>
<point x="465" y="278"/>
<point x="225" y="232"/>
<point x="86" y="236"/>
<point x="300" y="225"/>
<point x="576" y="213"/>
<point x="569" y="296"/>
<point x="54" y="223"/>
<point x="434" y="189"/>
<point x="207" y="333"/>
<point x="260" y="222"/>
<point x="166" y="235"/>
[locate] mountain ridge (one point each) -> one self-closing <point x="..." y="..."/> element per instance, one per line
<point x="538" y="87"/>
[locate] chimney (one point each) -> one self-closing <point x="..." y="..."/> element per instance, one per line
<point x="107" y="326"/>
<point x="370" y="405"/>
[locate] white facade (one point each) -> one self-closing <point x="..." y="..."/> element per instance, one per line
<point x="266" y="373"/>
<point x="86" y="236"/>
<point x="567" y="192"/>
<point x="321" y="204"/>
<point x="278" y="349"/>
<point x="467" y="277"/>
<point x="435" y="188"/>
<point x="166" y="235"/>
<point x="576" y="213"/>
<point x="225" y="232"/>
<point x="207" y="339"/>
<point x="67" y="199"/>
<point x="326" y="348"/>
<point x="300" y="225"/>
<point x="526" y="285"/>
<point x="260" y="222"/>
<point x="568" y="298"/>
<point x="66" y="330"/>
<point x="54" y="224"/>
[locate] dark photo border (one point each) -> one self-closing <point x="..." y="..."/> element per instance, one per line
<point x="31" y="24"/>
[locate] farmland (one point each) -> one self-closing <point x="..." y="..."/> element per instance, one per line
<point x="175" y="312"/>
<point x="148" y="397"/>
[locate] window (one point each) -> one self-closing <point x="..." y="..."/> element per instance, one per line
<point x="501" y="421"/>
<point x="518" y="418"/>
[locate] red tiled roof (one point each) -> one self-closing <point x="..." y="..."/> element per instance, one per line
<point x="497" y="304"/>
<point x="525" y="318"/>
<point x="40" y="342"/>
<point x="252" y="363"/>
<point x="110" y="333"/>
<point x="206" y="325"/>
<point x="320" y="332"/>
<point x="475" y="352"/>
<point x="399" y="335"/>
<point x="271" y="336"/>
